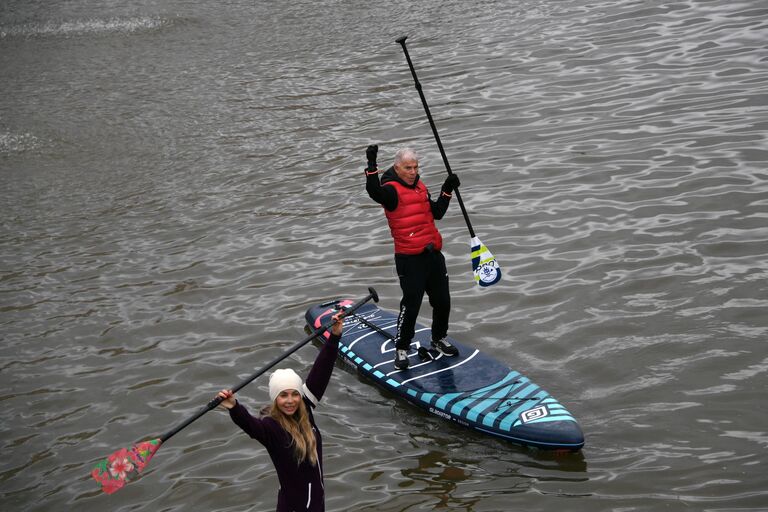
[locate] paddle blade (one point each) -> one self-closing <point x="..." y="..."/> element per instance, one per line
<point x="487" y="271"/>
<point x="124" y="465"/>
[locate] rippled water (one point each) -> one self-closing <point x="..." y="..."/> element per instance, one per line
<point x="181" y="180"/>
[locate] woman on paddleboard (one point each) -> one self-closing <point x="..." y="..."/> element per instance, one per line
<point x="420" y="264"/>
<point x="288" y="431"/>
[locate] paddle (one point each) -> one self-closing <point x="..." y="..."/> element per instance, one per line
<point x="484" y="266"/>
<point x="423" y="352"/>
<point x="125" y="464"/>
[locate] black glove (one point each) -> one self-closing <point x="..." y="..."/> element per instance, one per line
<point x="370" y="154"/>
<point x="451" y="183"/>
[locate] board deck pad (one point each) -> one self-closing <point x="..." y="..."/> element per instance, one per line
<point x="472" y="389"/>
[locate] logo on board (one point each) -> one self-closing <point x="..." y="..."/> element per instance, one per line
<point x="534" y="414"/>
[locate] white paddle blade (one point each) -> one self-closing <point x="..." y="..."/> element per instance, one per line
<point x="487" y="271"/>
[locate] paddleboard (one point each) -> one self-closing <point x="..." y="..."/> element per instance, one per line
<point x="473" y="389"/>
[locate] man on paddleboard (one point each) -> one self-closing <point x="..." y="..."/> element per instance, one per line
<point x="420" y="265"/>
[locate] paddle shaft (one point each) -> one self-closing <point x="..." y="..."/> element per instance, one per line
<point x="374" y="327"/>
<point x="401" y="41"/>
<point x="216" y="401"/>
<point x="423" y="352"/>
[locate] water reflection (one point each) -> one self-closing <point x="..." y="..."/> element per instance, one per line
<point x="440" y="476"/>
<point x="471" y="476"/>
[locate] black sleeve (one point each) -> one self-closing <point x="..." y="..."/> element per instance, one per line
<point x="385" y="195"/>
<point x="440" y="206"/>
<point x="320" y="374"/>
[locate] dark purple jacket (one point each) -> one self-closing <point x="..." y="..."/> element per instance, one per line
<point x="301" y="486"/>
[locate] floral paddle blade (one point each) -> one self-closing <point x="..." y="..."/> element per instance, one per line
<point x="124" y="465"/>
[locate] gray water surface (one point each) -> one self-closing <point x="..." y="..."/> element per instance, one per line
<point x="181" y="180"/>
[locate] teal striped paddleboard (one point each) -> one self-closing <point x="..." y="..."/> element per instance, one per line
<point x="472" y="389"/>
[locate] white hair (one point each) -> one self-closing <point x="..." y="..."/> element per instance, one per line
<point x="404" y="154"/>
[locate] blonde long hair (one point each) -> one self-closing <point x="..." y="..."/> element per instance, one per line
<point x="298" y="427"/>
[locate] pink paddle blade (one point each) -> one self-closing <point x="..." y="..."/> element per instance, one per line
<point x="124" y="465"/>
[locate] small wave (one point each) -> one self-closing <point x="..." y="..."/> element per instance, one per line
<point x="84" y="27"/>
<point x="17" y="142"/>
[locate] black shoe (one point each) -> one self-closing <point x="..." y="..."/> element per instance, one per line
<point x="444" y="346"/>
<point x="401" y="359"/>
<point x="428" y="355"/>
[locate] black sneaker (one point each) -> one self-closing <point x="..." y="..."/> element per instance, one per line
<point x="444" y="346"/>
<point x="401" y="359"/>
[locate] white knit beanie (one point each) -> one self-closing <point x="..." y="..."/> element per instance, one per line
<point x="283" y="379"/>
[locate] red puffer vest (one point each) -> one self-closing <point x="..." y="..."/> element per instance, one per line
<point x="411" y="223"/>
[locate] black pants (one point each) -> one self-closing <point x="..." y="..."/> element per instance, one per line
<point x="421" y="273"/>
